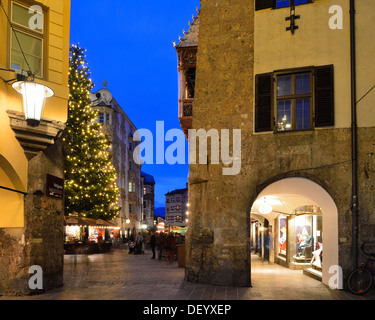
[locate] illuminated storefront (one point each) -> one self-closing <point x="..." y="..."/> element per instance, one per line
<point x="84" y="235"/>
<point x="300" y="239"/>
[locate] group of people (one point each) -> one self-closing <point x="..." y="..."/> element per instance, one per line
<point x="165" y="243"/>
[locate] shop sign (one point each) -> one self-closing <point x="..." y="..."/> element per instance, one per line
<point x="55" y="187"/>
<point x="72" y="221"/>
<point x="99" y="221"/>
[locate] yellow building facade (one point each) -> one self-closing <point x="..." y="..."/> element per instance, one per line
<point x="34" y="41"/>
<point x="322" y="38"/>
<point x="51" y="45"/>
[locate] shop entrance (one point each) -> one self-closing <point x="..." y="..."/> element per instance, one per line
<point x="294" y="223"/>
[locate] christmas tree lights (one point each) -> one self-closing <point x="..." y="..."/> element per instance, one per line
<point x="90" y="177"/>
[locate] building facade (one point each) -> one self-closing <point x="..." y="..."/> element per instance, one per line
<point x="148" y="195"/>
<point x="31" y="218"/>
<point x="283" y="72"/>
<point x="176" y="208"/>
<point x="120" y="129"/>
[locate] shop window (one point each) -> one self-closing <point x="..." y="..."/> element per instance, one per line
<point x="282" y="235"/>
<point x="309" y="237"/>
<point x="296" y="99"/>
<point x="30" y="36"/>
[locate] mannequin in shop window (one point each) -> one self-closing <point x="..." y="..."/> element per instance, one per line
<point x="282" y="240"/>
<point x="302" y="247"/>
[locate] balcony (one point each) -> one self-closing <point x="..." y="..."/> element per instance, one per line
<point x="186" y="114"/>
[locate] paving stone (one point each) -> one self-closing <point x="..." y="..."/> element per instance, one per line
<point x="119" y="276"/>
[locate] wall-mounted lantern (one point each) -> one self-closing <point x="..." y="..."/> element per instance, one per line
<point x="34" y="97"/>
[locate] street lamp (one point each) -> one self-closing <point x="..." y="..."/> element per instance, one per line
<point x="34" y="98"/>
<point x="127" y="221"/>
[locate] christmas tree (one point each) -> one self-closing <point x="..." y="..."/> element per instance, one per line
<point x="90" y="178"/>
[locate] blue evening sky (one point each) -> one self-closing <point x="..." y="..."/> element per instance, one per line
<point x="129" y="44"/>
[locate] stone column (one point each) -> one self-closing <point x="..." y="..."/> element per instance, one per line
<point x="41" y="241"/>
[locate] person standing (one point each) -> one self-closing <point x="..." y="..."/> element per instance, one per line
<point x="171" y="245"/>
<point x="160" y="244"/>
<point x="153" y="244"/>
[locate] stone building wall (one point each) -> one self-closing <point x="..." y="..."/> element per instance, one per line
<point x="41" y="241"/>
<point x="218" y="241"/>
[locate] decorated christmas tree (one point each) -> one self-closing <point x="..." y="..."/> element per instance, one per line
<point x="90" y="178"/>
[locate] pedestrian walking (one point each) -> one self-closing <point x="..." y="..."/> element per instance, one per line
<point x="139" y="244"/>
<point x="171" y="245"/>
<point x="153" y="244"/>
<point x="160" y="244"/>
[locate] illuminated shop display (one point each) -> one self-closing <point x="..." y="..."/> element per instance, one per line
<point x="282" y="235"/>
<point x="80" y="230"/>
<point x="300" y="237"/>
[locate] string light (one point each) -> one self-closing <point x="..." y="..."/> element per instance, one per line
<point x="90" y="185"/>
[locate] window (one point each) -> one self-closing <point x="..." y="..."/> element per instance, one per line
<point x="108" y="119"/>
<point x="297" y="99"/>
<point x="287" y="3"/>
<point x="282" y="235"/>
<point x="29" y="30"/>
<point x="105" y="118"/>
<point x="131" y="187"/>
<point x="130" y="208"/>
<point x="101" y="117"/>
<point x="294" y="101"/>
<point x="276" y="4"/>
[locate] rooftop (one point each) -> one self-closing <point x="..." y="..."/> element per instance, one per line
<point x="147" y="178"/>
<point x="190" y="38"/>
<point x="177" y="191"/>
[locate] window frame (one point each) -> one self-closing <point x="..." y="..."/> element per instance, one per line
<point x="323" y="98"/>
<point x="294" y="97"/>
<point x="271" y="4"/>
<point x="40" y="35"/>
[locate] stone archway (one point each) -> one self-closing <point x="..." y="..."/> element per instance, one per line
<point x="293" y="193"/>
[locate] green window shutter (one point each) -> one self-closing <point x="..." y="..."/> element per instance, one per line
<point x="324" y="97"/>
<point x="263" y="102"/>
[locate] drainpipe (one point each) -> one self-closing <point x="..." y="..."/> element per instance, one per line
<point x="354" y="136"/>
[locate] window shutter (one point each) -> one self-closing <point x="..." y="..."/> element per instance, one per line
<point x="324" y="97"/>
<point x="264" y="4"/>
<point x="263" y="102"/>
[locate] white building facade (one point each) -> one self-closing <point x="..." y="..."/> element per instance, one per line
<point x="120" y="129"/>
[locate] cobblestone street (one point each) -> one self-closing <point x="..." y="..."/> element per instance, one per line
<point x="120" y="276"/>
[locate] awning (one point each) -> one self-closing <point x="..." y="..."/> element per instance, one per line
<point x="76" y="221"/>
<point x="100" y="223"/>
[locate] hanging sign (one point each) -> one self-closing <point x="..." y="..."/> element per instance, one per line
<point x="55" y="187"/>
